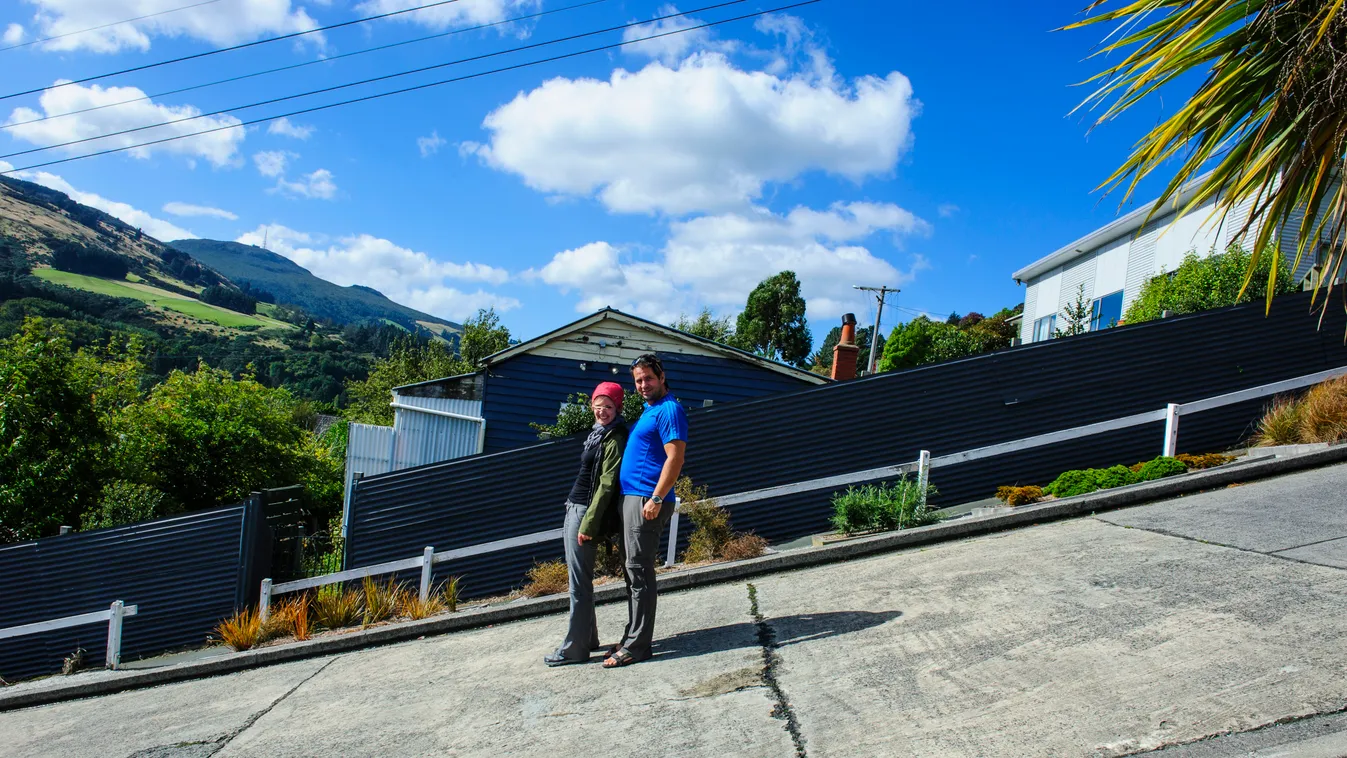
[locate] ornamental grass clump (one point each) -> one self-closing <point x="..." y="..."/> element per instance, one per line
<point x="743" y="546"/>
<point x="241" y="631"/>
<point x="882" y="507"/>
<point x="549" y="578"/>
<point x="382" y="600"/>
<point x="1323" y="417"/>
<point x="1280" y="424"/>
<point x="1014" y="496"/>
<point x="1203" y="461"/>
<point x="335" y="607"/>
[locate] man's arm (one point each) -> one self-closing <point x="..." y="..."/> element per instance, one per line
<point x="668" y="476"/>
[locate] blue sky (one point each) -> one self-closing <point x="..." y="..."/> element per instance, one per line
<point x="853" y="142"/>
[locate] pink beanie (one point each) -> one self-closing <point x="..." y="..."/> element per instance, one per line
<point x="612" y="391"/>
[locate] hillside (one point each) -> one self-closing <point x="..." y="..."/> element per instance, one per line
<point x="292" y="284"/>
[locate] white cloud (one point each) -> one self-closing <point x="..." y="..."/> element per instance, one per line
<point x="217" y="147"/>
<point x="671" y="48"/>
<point x="407" y="276"/>
<point x="430" y="145"/>
<point x="287" y="128"/>
<point x="13" y="34"/>
<point x="220" y="24"/>
<point x="456" y="14"/>
<point x="271" y="163"/>
<point x="715" y="261"/>
<point x="703" y="136"/>
<point x="189" y="210"/>
<point x="947" y="210"/>
<point x="6" y="167"/>
<point x="157" y="228"/>
<point x="316" y="184"/>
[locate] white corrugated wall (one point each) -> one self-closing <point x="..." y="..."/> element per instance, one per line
<point x="421" y="438"/>
<point x="368" y="450"/>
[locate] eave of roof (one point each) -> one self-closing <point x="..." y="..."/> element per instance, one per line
<point x="436" y="381"/>
<point x="612" y="313"/>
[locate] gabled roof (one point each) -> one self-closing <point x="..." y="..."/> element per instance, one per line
<point x="636" y="321"/>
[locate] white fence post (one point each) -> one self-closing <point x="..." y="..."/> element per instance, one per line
<point x="923" y="474"/>
<point x="427" y="565"/>
<point x="264" y="600"/>
<point x="114" y="652"/>
<point x="1171" y="430"/>
<point x="673" y="535"/>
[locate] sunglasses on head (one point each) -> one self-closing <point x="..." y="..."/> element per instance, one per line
<point x="650" y="361"/>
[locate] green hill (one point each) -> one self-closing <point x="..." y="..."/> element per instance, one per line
<point x="292" y="284"/>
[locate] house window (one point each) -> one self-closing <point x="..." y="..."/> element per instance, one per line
<point x="1044" y="327"/>
<point x="1107" y="311"/>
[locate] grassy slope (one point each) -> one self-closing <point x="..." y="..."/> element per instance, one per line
<point x="159" y="298"/>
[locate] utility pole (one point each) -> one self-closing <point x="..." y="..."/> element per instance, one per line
<point x="880" y="294"/>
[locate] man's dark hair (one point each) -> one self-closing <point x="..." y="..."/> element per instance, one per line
<point x="652" y="362"/>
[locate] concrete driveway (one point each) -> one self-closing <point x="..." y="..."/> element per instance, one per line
<point x="1160" y="625"/>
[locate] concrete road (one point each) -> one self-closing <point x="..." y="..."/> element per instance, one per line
<point x="1193" y="625"/>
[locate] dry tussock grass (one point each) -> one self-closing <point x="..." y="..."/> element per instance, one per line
<point x="547" y="579"/>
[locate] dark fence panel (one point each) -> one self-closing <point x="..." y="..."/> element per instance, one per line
<point x="884" y="420"/>
<point x="185" y="573"/>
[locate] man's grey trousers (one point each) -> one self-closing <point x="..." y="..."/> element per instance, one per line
<point x="641" y="540"/>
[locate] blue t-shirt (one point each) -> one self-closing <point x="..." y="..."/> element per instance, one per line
<point x="661" y="423"/>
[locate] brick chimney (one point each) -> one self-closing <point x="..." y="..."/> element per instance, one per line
<point x="844" y="354"/>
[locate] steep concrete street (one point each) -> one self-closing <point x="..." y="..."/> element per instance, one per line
<point x="1195" y="623"/>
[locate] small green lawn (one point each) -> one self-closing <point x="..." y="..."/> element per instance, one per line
<point x="157" y="297"/>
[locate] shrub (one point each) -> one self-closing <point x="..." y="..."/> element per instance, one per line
<point x="711" y="523"/>
<point x="743" y="547"/>
<point x="382" y="599"/>
<point x="290" y="618"/>
<point x="1323" y="415"/>
<point x="1280" y="424"/>
<point x="413" y="607"/>
<point x="449" y="591"/>
<point x="547" y="579"/>
<point x="882" y="507"/>
<point x="1113" y="476"/>
<point x="122" y="502"/>
<point x="299" y="617"/>
<point x="1206" y="460"/>
<point x="1019" y="495"/>
<point x="1160" y="468"/>
<point x="1075" y="482"/>
<point x="334" y="607"/>
<point x="242" y="630"/>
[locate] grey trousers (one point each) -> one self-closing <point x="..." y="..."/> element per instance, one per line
<point x="641" y="540"/>
<point x="582" y="632"/>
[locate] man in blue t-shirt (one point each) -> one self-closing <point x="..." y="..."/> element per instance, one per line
<point x="650" y="467"/>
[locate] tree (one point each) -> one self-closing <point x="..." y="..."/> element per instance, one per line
<point x="410" y="360"/>
<point x="822" y="361"/>
<point x="708" y="327"/>
<point x="1077" y="316"/>
<point x="1267" y="122"/>
<point x="576" y="417"/>
<point x="482" y="336"/>
<point x="921" y="340"/>
<point x="1200" y="284"/>
<point x="773" y="321"/>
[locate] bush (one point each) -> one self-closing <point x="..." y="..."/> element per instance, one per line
<point x="547" y="579"/>
<point x="575" y="416"/>
<point x="1160" y="468"/>
<point x="123" y="502"/>
<point x="334" y="607"/>
<point x="381" y="599"/>
<point x="242" y="630"/>
<point x="743" y="547"/>
<point x="882" y="507"/>
<point x="1199" y="284"/>
<point x="413" y="607"/>
<point x="1206" y="460"/>
<point x="1075" y="482"/>
<point x="1323" y="416"/>
<point x="1280" y="424"/>
<point x="1013" y="496"/>
<point x="711" y="523"/>
<point x="1113" y="476"/>
<point x="228" y="297"/>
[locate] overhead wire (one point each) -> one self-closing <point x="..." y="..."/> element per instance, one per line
<point x="418" y="87"/>
<point x="230" y="49"/>
<point x="108" y="25"/>
<point x="385" y="77"/>
<point x="329" y="59"/>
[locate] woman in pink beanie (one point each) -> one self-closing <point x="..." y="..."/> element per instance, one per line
<point x="592" y="510"/>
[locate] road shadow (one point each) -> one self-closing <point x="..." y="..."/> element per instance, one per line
<point x="789" y="630"/>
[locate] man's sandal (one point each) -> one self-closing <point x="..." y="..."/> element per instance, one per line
<point x="620" y="657"/>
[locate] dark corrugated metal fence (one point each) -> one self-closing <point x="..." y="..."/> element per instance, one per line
<point x="877" y="421"/>
<point x="185" y="573"/>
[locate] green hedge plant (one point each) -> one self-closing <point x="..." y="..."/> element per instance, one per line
<point x="1083" y="481"/>
<point x="882" y="507"/>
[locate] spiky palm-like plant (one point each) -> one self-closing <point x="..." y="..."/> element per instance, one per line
<point x="1270" y="115"/>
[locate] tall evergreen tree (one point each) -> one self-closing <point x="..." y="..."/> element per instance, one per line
<point x="773" y="322"/>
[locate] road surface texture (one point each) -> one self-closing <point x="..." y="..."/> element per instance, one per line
<point x="1207" y="625"/>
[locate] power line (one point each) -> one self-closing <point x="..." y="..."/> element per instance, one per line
<point x="881" y="293"/>
<point x="105" y="26"/>
<point x="384" y="77"/>
<point x="232" y="48"/>
<point x="427" y="85"/>
<point x="292" y="66"/>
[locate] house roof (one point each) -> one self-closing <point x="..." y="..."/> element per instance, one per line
<point x="638" y="322"/>
<point x="1104" y="235"/>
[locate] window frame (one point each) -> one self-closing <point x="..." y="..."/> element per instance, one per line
<point x="1096" y="315"/>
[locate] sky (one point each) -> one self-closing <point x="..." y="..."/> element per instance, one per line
<point x="852" y="142"/>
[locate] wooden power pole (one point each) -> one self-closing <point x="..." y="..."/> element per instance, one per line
<point x="880" y="294"/>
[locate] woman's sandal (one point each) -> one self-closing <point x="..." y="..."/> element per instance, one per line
<point x="620" y="657"/>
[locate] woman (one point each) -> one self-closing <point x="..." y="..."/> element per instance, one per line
<point x="593" y="510"/>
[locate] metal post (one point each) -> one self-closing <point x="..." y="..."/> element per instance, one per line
<point x="427" y="566"/>
<point x="879" y="314"/>
<point x="1171" y="430"/>
<point x="264" y="600"/>
<point x="673" y="535"/>
<point x="923" y="474"/>
<point x="114" y="653"/>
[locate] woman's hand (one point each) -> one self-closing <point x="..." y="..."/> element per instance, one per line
<point x="582" y="539"/>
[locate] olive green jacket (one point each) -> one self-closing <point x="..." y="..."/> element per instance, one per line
<point x="604" y="515"/>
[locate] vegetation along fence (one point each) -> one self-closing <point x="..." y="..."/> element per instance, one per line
<point x="877" y="424"/>
<point x="181" y="574"/>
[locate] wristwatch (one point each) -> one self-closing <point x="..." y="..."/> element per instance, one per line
<point x="657" y="500"/>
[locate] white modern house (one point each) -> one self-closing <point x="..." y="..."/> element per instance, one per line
<point x="1114" y="261"/>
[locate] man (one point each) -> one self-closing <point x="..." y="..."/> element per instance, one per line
<point x="650" y="466"/>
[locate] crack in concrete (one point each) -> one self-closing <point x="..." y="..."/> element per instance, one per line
<point x="224" y="741"/>
<point x="770" y="660"/>
<point x="1176" y="535"/>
